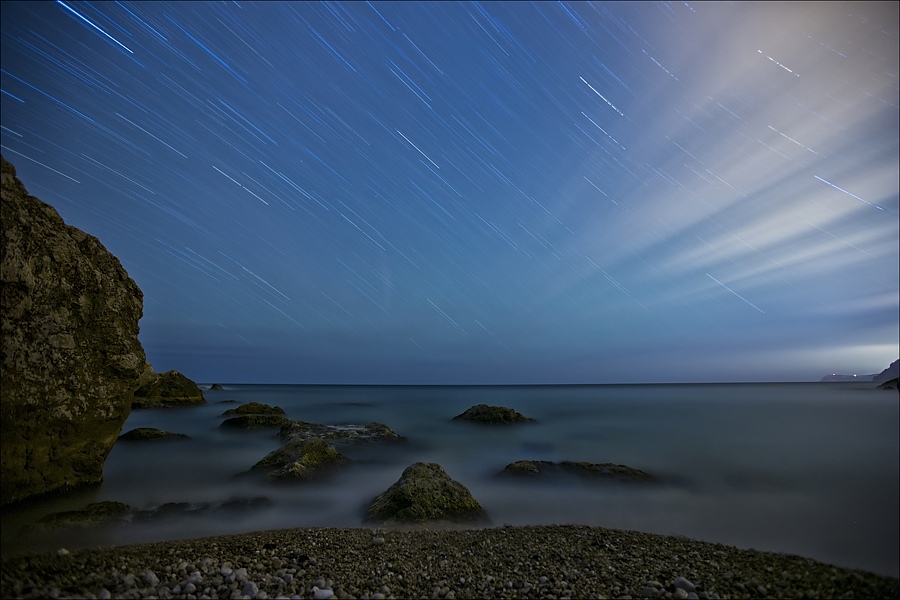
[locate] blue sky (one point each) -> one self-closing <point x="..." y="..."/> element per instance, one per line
<point x="477" y="193"/>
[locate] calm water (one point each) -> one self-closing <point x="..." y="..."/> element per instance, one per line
<point x="808" y="469"/>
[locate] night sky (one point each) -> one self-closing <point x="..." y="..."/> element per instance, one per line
<point x="476" y="193"/>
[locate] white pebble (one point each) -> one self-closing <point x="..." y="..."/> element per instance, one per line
<point x="322" y="594"/>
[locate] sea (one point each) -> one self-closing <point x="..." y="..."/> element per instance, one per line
<point x="809" y="469"/>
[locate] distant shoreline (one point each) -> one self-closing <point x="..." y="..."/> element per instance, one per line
<point x="206" y="385"/>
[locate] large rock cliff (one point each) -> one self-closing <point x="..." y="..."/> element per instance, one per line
<point x="70" y="358"/>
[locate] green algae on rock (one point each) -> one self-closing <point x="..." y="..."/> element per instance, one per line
<point x="301" y="460"/>
<point x="425" y="493"/>
<point x="254" y="408"/>
<point x="168" y="389"/>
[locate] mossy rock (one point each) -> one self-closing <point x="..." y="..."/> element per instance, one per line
<point x="255" y="421"/>
<point x="149" y="434"/>
<point x="483" y="413"/>
<point x="168" y="389"/>
<point x="426" y="493"/>
<point x="254" y="408"/>
<point x="301" y="460"/>
<point x="536" y="468"/>
<point x="97" y="513"/>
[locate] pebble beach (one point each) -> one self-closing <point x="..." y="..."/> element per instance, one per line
<point x="556" y="561"/>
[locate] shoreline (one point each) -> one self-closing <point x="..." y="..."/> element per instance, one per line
<point x="561" y="561"/>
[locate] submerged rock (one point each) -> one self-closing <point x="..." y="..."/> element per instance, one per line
<point x="97" y="513"/>
<point x="340" y="434"/>
<point x="70" y="357"/>
<point x="168" y="389"/>
<point x="425" y="492"/>
<point x="312" y="449"/>
<point x="146" y="434"/>
<point x="254" y="408"/>
<point x="535" y="468"/>
<point x="255" y="421"/>
<point x="301" y="460"/>
<point x="890" y="384"/>
<point x="484" y="413"/>
<point x="230" y="507"/>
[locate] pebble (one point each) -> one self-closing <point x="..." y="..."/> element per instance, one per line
<point x="323" y="593"/>
<point x="535" y="561"/>
<point x="684" y="584"/>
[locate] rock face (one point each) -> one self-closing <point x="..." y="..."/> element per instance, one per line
<point x="70" y="358"/>
<point x="425" y="493"/>
<point x="534" y="468"/>
<point x="483" y="413"/>
<point x="167" y="389"/>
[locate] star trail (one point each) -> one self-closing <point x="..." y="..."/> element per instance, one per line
<point x="550" y="192"/>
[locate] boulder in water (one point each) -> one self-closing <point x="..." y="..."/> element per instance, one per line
<point x="426" y="493"/>
<point x="483" y="413"/>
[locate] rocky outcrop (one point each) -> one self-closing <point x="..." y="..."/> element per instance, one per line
<point x="98" y="513"/>
<point x="311" y="450"/>
<point x="340" y="435"/>
<point x="483" y="413"/>
<point x="70" y="358"/>
<point x="254" y="408"/>
<point x="150" y="434"/>
<point x="167" y="389"/>
<point x="254" y="421"/>
<point x="608" y="471"/>
<point x="301" y="460"/>
<point x="892" y="372"/>
<point x="426" y="493"/>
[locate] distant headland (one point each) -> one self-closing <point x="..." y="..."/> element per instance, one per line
<point x="892" y="372"/>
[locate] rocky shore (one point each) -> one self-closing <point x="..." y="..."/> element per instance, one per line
<point x="504" y="562"/>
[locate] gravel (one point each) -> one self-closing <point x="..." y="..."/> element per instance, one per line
<point x="563" y="561"/>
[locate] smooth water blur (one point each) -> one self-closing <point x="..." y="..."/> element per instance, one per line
<point x="808" y="469"/>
